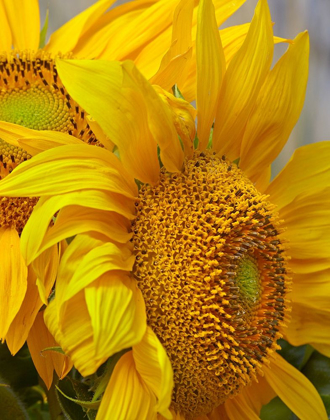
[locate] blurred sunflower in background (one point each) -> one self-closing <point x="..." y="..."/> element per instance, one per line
<point x="187" y="265"/>
<point x="33" y="96"/>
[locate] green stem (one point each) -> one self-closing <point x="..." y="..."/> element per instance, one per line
<point x="55" y="410"/>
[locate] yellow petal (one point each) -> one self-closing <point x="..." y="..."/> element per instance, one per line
<point x="263" y="178"/>
<point x="233" y="37"/>
<point x="66" y="37"/>
<point x="322" y="348"/>
<point x="69" y="168"/>
<point x="40" y="280"/>
<point x="85" y="260"/>
<point x="243" y="79"/>
<point x="308" y="171"/>
<point x="218" y="413"/>
<point x="210" y="61"/>
<point x="277" y="109"/>
<point x="6" y="37"/>
<point x="239" y="409"/>
<point x="307" y="225"/>
<point x="180" y="50"/>
<point x="301" y="192"/>
<point x="155" y="368"/>
<point x="24" y="21"/>
<point x="309" y="325"/>
<point x="39" y="339"/>
<point x="127" y="396"/>
<point x="13" y="278"/>
<point x="150" y="57"/>
<point x="74" y="220"/>
<point x="100" y="135"/>
<point x="171" y="73"/>
<point x="159" y="120"/>
<point x="295" y="390"/>
<point x="121" y="112"/>
<point x="146" y="26"/>
<point x="34" y="141"/>
<point x="21" y="324"/>
<point x="117" y="311"/>
<point x="258" y="394"/>
<point x="74" y="334"/>
<point x="45" y="267"/>
<point x="36" y="237"/>
<point x="96" y="40"/>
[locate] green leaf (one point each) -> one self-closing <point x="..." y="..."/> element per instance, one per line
<point x="43" y="33"/>
<point x="276" y="410"/>
<point x="296" y="356"/>
<point x="317" y="370"/>
<point x="10" y="405"/>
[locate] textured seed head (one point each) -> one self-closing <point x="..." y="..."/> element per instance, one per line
<point x="212" y="270"/>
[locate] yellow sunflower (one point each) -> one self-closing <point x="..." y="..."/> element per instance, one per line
<point x="191" y="260"/>
<point x="33" y="96"/>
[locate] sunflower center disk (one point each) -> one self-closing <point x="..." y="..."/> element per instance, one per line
<point x="32" y="95"/>
<point x="212" y="271"/>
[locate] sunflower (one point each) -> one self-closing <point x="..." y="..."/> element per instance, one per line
<point x="189" y="260"/>
<point x="33" y="96"/>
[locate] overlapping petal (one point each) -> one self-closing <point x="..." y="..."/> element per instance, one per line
<point x="173" y="67"/>
<point x="69" y="168"/>
<point x="66" y="37"/>
<point x="24" y="22"/>
<point x="102" y="89"/>
<point x="210" y="61"/>
<point x="46" y="362"/>
<point x="242" y="82"/>
<point x="127" y="396"/>
<point x="13" y="275"/>
<point x="295" y="390"/>
<point x="277" y="109"/>
<point x="155" y="369"/>
<point x="37" y="236"/>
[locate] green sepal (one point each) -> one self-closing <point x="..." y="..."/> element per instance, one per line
<point x="85" y="404"/>
<point x="176" y="92"/>
<point x="66" y="397"/>
<point x="56" y="349"/>
<point x="43" y="33"/>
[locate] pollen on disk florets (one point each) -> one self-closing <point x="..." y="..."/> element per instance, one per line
<point x="32" y="95"/>
<point x="212" y="270"/>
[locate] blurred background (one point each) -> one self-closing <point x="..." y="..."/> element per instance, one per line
<point x="290" y="17"/>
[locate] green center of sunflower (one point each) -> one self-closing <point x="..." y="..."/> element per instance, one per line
<point x="248" y="279"/>
<point x="211" y="267"/>
<point x="35" y="107"/>
<point x="32" y="95"/>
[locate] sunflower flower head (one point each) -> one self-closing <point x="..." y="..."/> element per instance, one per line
<point x="187" y="270"/>
<point x="212" y="270"/>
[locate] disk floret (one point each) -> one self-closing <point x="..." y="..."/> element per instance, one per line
<point x="212" y="269"/>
